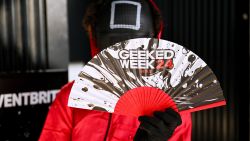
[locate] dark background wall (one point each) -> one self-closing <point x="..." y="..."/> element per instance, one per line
<point x="33" y="64"/>
<point x="217" y="31"/>
<point x="79" y="44"/>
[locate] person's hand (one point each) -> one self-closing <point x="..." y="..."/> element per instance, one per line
<point x="159" y="127"/>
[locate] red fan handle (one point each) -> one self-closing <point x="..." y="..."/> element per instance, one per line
<point x="143" y="101"/>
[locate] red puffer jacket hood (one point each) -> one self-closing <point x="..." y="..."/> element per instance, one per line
<point x="71" y="124"/>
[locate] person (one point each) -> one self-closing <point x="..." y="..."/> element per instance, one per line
<point x="107" y="25"/>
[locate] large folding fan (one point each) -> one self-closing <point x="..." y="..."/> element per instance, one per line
<point x="140" y="76"/>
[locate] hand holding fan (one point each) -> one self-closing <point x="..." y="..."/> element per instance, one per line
<point x="140" y="76"/>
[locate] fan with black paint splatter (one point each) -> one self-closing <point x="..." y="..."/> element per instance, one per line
<point x="139" y="76"/>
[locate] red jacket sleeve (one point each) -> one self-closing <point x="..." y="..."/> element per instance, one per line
<point x="183" y="132"/>
<point x="58" y="123"/>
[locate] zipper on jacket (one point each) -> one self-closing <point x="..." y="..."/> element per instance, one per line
<point x="109" y="123"/>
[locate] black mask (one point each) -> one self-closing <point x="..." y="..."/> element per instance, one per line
<point x="121" y="20"/>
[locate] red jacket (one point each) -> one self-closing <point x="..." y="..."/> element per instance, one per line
<point x="70" y="124"/>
